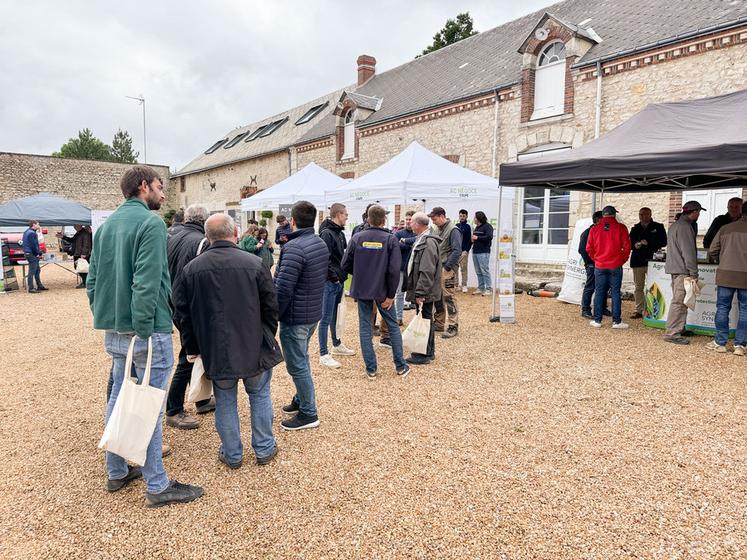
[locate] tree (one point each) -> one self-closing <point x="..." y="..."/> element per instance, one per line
<point x="453" y="32"/>
<point x="122" y="148"/>
<point x="85" y="146"/>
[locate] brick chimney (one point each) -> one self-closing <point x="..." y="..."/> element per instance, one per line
<point x="366" y="68"/>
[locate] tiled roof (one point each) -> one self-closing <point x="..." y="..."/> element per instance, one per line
<point x="286" y="135"/>
<point x="487" y="61"/>
<point x="490" y="59"/>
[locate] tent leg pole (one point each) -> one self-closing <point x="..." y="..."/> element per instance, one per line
<point x="494" y="317"/>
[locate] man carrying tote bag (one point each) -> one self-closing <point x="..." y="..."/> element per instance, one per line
<point x="423" y="281"/>
<point x="128" y="289"/>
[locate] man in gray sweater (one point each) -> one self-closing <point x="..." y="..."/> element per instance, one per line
<point x="450" y="251"/>
<point x="682" y="262"/>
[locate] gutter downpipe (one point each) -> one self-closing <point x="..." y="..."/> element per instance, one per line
<point x="597" y="122"/>
<point x="494" y="318"/>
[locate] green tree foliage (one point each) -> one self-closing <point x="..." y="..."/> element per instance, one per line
<point x="85" y="146"/>
<point x="121" y="149"/>
<point x="453" y="32"/>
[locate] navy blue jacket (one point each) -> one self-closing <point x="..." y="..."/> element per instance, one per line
<point x="374" y="259"/>
<point x="282" y="230"/>
<point x="466" y="231"/>
<point x="654" y="234"/>
<point x="299" y="278"/>
<point x="31" y="243"/>
<point x="484" y="233"/>
<point x="406" y="238"/>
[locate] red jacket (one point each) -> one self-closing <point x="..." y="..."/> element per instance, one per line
<point x="609" y="243"/>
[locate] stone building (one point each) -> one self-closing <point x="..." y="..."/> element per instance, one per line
<point x="551" y="80"/>
<point x="92" y="183"/>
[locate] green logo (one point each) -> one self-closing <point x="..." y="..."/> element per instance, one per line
<point x="656" y="307"/>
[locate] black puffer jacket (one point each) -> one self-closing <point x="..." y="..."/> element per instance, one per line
<point x="181" y="248"/>
<point x="334" y="236"/>
<point x="299" y="278"/>
<point x="226" y="311"/>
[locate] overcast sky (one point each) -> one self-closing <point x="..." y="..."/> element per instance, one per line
<point x="204" y="68"/>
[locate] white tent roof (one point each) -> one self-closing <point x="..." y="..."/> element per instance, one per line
<point x="416" y="174"/>
<point x="309" y="184"/>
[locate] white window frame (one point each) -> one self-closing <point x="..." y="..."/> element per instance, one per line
<point x="544" y="253"/>
<point x="714" y="201"/>
<point x="549" y="86"/>
<point x="348" y="136"/>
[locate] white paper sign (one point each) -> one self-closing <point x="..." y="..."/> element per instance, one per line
<point x="575" y="272"/>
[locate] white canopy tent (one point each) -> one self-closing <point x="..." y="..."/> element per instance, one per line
<point x="419" y="176"/>
<point x="310" y="183"/>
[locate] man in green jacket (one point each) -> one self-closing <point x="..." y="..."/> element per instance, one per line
<point x="128" y="289"/>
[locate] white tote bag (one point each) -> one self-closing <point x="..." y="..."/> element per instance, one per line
<point x="200" y="387"/>
<point x="693" y="288"/>
<point x="133" y="420"/>
<point x="81" y="266"/>
<point x="340" y="324"/>
<point x="415" y="337"/>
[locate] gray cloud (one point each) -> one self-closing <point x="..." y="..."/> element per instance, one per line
<point x="203" y="68"/>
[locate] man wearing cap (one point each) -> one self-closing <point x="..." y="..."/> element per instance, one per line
<point x="646" y="237"/>
<point x="450" y="251"/>
<point x="729" y="248"/>
<point x="682" y="262"/>
<point x="609" y="247"/>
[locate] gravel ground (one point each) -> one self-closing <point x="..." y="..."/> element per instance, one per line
<point x="543" y="439"/>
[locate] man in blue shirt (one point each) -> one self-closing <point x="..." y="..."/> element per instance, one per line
<point x="33" y="255"/>
<point x="466" y="231"/>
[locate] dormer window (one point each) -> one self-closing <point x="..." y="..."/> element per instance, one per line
<point x="549" y="82"/>
<point x="348" y="151"/>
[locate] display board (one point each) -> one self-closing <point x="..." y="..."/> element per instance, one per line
<point x="98" y="217"/>
<point x="658" y="294"/>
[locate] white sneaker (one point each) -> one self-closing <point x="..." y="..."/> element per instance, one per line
<point x="620" y="325"/>
<point x="595" y="324"/>
<point x="717" y="347"/>
<point x="464" y="289"/>
<point x="342" y="350"/>
<point x="739" y="350"/>
<point x="329" y="361"/>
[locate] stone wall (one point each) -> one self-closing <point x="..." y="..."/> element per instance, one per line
<point x="92" y="183"/>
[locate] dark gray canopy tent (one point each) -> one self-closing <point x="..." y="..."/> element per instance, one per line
<point x="49" y="209"/>
<point x="698" y="144"/>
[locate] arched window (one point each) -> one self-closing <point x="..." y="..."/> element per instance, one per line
<point x="549" y="82"/>
<point x="349" y="136"/>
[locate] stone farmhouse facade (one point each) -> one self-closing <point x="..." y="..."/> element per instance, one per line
<point x="551" y="80"/>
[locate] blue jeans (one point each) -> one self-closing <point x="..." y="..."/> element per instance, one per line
<point x="399" y="297"/>
<point x="608" y="279"/>
<point x="482" y="269"/>
<point x="34" y="272"/>
<point x="365" y="311"/>
<point x="332" y="298"/>
<point x="295" y="342"/>
<point x="724" y="298"/>
<point x="117" y="345"/>
<point x="227" y="416"/>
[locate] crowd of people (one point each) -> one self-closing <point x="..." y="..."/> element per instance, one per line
<point x="228" y="307"/>
<point x="607" y="244"/>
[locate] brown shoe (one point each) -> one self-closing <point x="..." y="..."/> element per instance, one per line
<point x="636" y="315"/>
<point x="183" y="421"/>
<point x="165" y="450"/>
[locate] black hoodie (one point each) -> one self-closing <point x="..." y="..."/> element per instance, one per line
<point x="334" y="236"/>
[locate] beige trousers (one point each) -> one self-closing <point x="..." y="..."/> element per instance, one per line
<point x="639" y="277"/>
<point x="677" y="315"/>
<point x="463" y="265"/>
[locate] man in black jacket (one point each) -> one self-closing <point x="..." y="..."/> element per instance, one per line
<point x="588" y="294"/>
<point x="181" y="248"/>
<point x="332" y="232"/>
<point x="646" y="238"/>
<point x="373" y="258"/>
<point x="733" y="213"/>
<point x="227" y="313"/>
